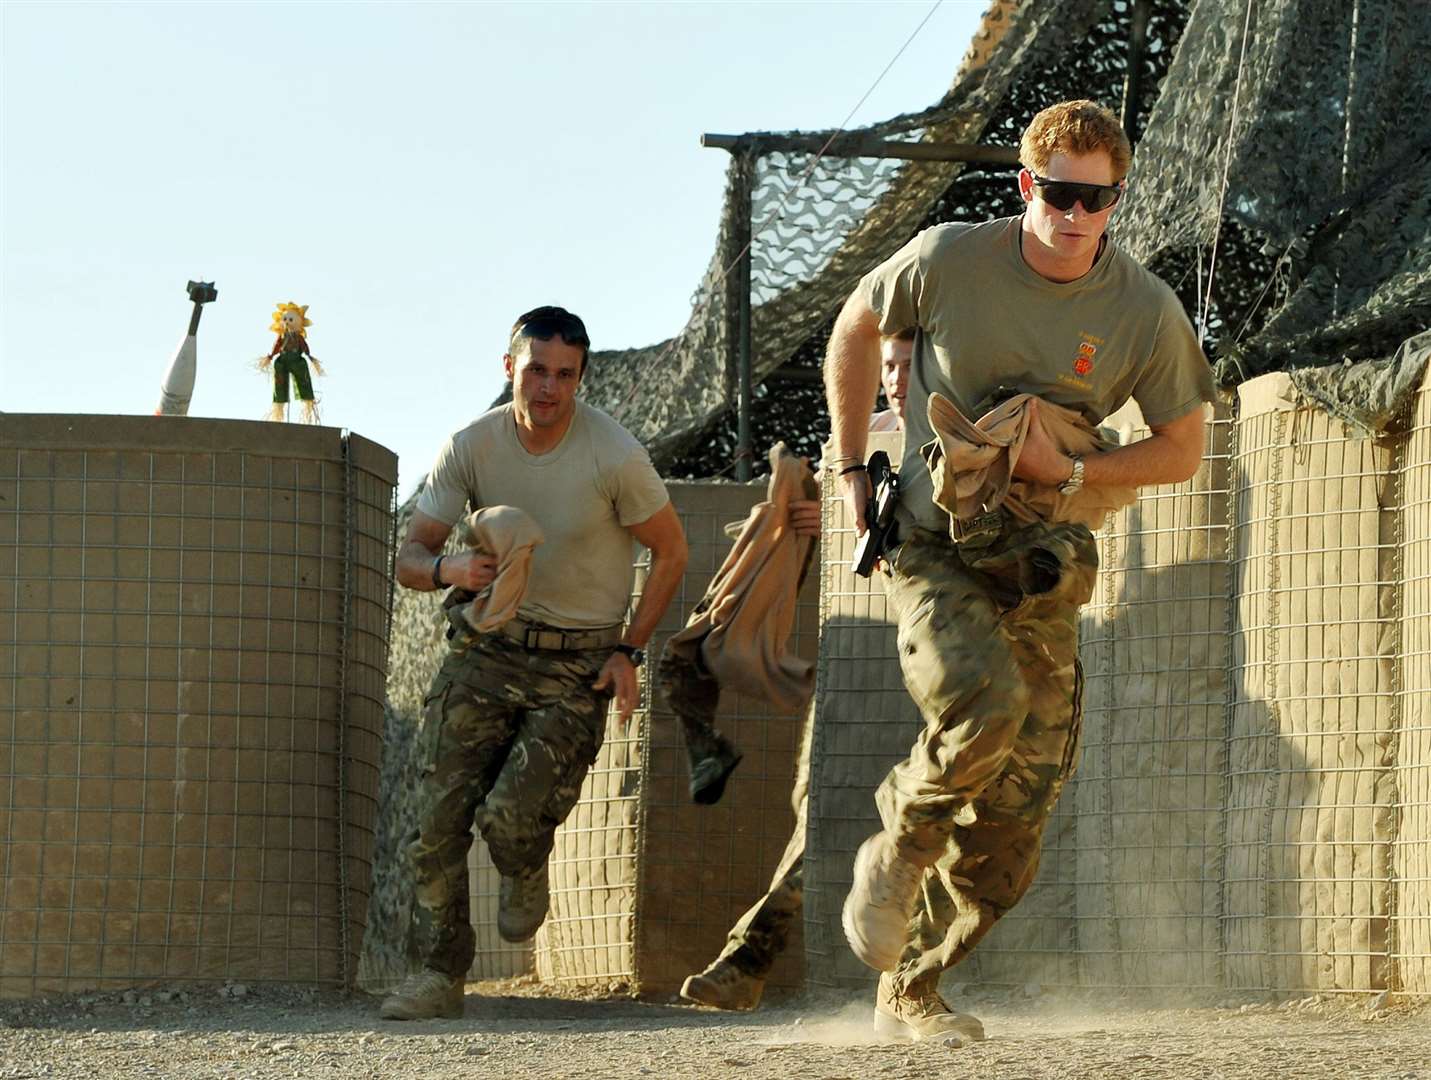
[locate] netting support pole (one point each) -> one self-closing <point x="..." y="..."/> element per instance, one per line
<point x="1133" y="83"/>
<point x="742" y="177"/>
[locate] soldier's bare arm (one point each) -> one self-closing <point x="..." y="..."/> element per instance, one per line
<point x="663" y="535"/>
<point x="1169" y="456"/>
<point x="419" y="552"/>
<point x="851" y="383"/>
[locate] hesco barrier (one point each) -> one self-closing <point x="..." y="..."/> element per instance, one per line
<point x="645" y="883"/>
<point x="193" y="644"/>
<point x="1253" y="806"/>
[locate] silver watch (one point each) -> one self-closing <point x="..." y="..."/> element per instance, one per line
<point x="1075" y="479"/>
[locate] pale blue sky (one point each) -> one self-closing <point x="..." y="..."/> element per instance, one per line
<point x="418" y="174"/>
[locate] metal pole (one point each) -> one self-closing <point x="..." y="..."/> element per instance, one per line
<point x="744" y="150"/>
<point x="863" y="146"/>
<point x="1133" y="83"/>
<point x="744" y="172"/>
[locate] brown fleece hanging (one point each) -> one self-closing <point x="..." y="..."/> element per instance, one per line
<point x="740" y="631"/>
<point x="973" y="463"/>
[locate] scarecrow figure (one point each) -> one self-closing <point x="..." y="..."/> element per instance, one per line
<point x="290" y="356"/>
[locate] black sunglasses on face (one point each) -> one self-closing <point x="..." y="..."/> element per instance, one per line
<point x="1062" y="194"/>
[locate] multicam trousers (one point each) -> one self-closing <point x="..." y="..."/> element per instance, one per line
<point x="988" y="644"/>
<point x="508" y="736"/>
<point x="759" y="936"/>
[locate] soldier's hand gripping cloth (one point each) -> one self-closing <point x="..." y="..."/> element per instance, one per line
<point x="510" y="535"/>
<point x="972" y="464"/>
<point x="737" y="637"/>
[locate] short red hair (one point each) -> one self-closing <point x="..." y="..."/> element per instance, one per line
<point x="1075" y="127"/>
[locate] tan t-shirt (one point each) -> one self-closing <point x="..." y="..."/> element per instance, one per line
<point x="584" y="494"/>
<point x="988" y="326"/>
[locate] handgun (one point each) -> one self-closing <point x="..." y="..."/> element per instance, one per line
<point x="879" y="515"/>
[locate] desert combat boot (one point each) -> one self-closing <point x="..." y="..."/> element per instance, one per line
<point x="425" y="996"/>
<point x="919" y="1013"/>
<point x="522" y="903"/>
<point x="881" y="901"/>
<point x="724" y="986"/>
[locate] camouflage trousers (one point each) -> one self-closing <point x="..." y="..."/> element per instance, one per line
<point x="988" y="645"/>
<point x="508" y="736"/>
<point x="760" y="935"/>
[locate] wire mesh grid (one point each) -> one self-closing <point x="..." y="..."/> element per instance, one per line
<point x="1410" y="912"/>
<point x="172" y="797"/>
<point x="1136" y="838"/>
<point x="1251" y="809"/>
<point x="701" y="867"/>
<point x="1309" y="818"/>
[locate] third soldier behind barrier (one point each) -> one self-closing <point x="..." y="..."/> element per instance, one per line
<point x="736" y="978"/>
<point x="1040" y="313"/>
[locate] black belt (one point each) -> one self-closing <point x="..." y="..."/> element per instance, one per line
<point x="537" y="636"/>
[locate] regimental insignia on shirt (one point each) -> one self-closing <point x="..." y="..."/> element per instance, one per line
<point x="1087" y="350"/>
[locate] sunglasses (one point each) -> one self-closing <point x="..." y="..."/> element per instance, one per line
<point x="1062" y="194"/>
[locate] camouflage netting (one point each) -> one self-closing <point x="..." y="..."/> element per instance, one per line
<point x="1299" y="127"/>
<point x="1315" y="257"/>
<point x="814" y="237"/>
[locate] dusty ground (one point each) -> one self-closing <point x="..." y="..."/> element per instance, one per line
<point x="516" y="1029"/>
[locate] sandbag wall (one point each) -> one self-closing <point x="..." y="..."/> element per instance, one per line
<point x="1253" y="806"/>
<point x="193" y="649"/>
<point x="1409" y="914"/>
<point x="1127" y="891"/>
<point x="645" y="884"/>
<point x="1311" y="802"/>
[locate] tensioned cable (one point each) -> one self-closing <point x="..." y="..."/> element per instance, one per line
<point x="1206" y="307"/>
<point x="796" y="187"/>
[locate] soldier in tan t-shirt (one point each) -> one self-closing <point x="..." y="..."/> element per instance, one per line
<point x="1043" y="304"/>
<point x="515" y="717"/>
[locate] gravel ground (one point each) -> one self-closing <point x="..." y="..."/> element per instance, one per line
<point x="516" y="1028"/>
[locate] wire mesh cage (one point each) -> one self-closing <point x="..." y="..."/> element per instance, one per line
<point x="194" y="641"/>
<point x="1251" y="807"/>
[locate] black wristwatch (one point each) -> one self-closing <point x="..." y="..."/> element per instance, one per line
<point x="635" y="655"/>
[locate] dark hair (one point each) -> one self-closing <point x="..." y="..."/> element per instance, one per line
<point x="545" y="323"/>
<point x="907" y="334"/>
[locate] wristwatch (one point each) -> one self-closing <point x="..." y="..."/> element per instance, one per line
<point x="635" y="655"/>
<point x="1075" y="479"/>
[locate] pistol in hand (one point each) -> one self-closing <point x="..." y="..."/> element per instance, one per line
<point x="879" y="515"/>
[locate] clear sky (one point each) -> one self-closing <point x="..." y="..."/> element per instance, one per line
<point x="418" y="174"/>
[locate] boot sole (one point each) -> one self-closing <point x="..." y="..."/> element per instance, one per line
<point x="686" y="992"/>
<point x="891" y="1027"/>
<point x="397" y="1012"/>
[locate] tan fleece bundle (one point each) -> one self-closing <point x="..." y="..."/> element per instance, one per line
<point x="972" y="464"/>
<point x="510" y="535"/>
<point x="740" y="631"/>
